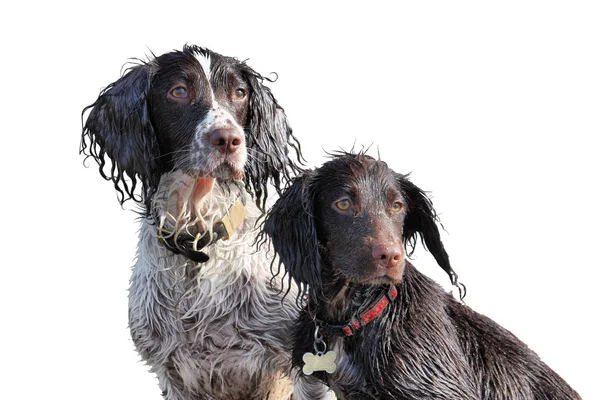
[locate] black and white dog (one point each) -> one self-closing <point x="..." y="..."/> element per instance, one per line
<point x="340" y="232"/>
<point x="197" y="132"/>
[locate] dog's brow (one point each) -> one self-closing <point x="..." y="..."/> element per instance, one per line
<point x="353" y="192"/>
<point x="394" y="194"/>
<point x="204" y="60"/>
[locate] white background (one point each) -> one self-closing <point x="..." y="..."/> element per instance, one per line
<point x="494" y="107"/>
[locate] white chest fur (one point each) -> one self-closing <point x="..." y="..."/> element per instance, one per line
<point x="220" y="325"/>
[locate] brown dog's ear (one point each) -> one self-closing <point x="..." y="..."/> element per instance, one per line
<point x="290" y="225"/>
<point x="421" y="221"/>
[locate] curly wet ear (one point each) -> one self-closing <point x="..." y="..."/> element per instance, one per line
<point x="421" y="220"/>
<point x="290" y="225"/>
<point x="274" y="153"/>
<point x="118" y="126"/>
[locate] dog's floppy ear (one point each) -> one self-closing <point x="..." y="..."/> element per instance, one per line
<point x="269" y="140"/>
<point x="421" y="221"/>
<point x="118" y="127"/>
<point x="290" y="225"/>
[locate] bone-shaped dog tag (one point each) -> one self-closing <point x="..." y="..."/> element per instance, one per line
<point x="319" y="362"/>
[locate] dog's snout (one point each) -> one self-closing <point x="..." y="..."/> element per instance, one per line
<point x="388" y="256"/>
<point x="226" y="140"/>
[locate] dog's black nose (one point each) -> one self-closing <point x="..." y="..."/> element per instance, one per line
<point x="388" y="256"/>
<point x="225" y="140"/>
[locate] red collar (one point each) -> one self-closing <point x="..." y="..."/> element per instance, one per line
<point x="358" y="321"/>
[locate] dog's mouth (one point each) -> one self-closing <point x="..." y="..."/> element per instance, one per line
<point x="191" y="205"/>
<point x="230" y="168"/>
<point x="392" y="275"/>
<point x="225" y="167"/>
<point x="184" y="202"/>
<point x="380" y="275"/>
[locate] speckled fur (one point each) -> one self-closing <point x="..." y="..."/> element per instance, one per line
<point x="162" y="134"/>
<point x="213" y="330"/>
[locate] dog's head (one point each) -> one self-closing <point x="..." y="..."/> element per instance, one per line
<point x="193" y="110"/>
<point x="351" y="219"/>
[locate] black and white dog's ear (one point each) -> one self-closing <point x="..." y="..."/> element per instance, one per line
<point x="274" y="153"/>
<point x="421" y="220"/>
<point x="291" y="226"/>
<point x="118" y="126"/>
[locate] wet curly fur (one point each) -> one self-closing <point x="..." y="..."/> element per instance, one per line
<point x="340" y="232"/>
<point x="185" y="135"/>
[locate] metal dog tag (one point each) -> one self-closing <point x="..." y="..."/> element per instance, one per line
<point x="319" y="362"/>
<point x="234" y="218"/>
<point x="322" y="360"/>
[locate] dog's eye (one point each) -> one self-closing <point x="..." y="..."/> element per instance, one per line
<point x="343" y="205"/>
<point x="239" y="94"/>
<point x="397" y="206"/>
<point x="179" y="92"/>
